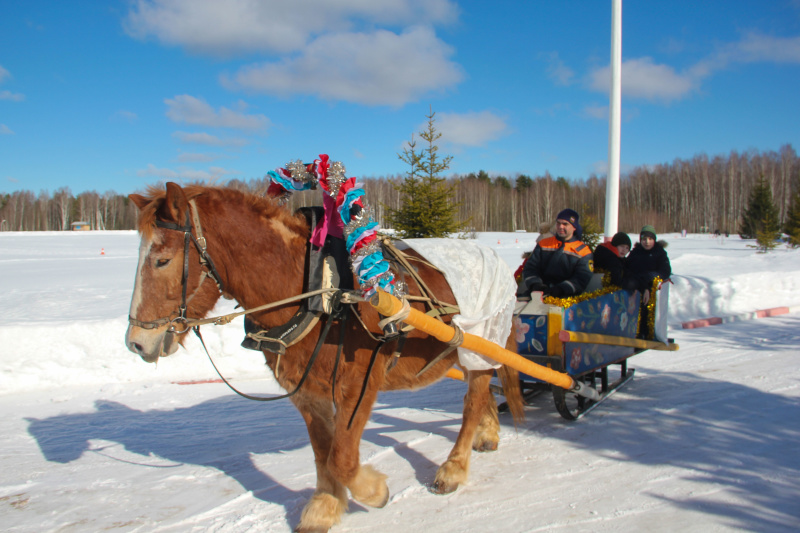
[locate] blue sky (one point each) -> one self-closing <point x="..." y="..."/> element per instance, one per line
<point x="117" y="95"/>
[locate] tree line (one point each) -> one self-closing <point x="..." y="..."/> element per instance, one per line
<point x="701" y="194"/>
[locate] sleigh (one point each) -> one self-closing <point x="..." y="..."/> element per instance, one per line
<point x="589" y="337"/>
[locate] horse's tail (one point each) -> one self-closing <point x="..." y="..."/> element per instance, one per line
<point x="509" y="379"/>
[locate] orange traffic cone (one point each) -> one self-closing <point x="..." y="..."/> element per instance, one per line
<point x="102" y="251"/>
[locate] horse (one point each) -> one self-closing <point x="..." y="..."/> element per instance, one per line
<point x="254" y="250"/>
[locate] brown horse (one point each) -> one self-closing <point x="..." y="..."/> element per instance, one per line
<point x="259" y="249"/>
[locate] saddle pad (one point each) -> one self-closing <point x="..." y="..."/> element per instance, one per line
<point x="483" y="286"/>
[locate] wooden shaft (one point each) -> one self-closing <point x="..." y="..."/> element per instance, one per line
<point x="596" y="338"/>
<point x="388" y="305"/>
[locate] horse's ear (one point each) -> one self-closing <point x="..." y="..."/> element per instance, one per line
<point x="175" y="204"/>
<point x="138" y="200"/>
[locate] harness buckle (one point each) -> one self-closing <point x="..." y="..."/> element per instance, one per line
<point x="176" y="320"/>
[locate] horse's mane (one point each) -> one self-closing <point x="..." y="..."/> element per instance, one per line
<point x="265" y="206"/>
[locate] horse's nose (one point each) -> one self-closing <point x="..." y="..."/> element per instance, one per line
<point x="135" y="347"/>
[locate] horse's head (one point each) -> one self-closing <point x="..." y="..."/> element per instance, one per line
<point x="171" y="285"/>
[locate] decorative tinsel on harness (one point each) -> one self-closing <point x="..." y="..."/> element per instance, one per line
<point x="343" y="197"/>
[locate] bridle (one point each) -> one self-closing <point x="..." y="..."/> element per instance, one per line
<point x="181" y="321"/>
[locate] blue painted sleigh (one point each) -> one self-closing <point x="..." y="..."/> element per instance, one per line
<point x="586" y="336"/>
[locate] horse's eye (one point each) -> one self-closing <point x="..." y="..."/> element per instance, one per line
<point x="162" y="263"/>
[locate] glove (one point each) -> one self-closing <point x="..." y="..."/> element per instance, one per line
<point x="557" y="291"/>
<point x="539" y="287"/>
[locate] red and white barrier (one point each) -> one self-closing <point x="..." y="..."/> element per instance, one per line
<point x="716" y="320"/>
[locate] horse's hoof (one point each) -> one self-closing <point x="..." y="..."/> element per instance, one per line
<point x="449" y="476"/>
<point x="370" y="487"/>
<point x="321" y="513"/>
<point x="485" y="446"/>
<point x="440" y="487"/>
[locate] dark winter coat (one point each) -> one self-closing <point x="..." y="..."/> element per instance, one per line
<point x="607" y="259"/>
<point x="557" y="267"/>
<point x="643" y="266"/>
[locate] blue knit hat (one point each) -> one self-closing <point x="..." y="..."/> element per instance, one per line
<point x="573" y="218"/>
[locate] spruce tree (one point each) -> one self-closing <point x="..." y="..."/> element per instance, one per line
<point x="792" y="226"/>
<point x="427" y="209"/>
<point x="761" y="214"/>
<point x="766" y="237"/>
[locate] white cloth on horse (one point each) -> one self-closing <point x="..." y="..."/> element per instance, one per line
<point x="483" y="286"/>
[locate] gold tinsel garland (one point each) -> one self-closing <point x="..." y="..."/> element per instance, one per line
<point x="572" y="300"/>
<point x="649" y="308"/>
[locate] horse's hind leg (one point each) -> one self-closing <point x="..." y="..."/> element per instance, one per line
<point x="455" y="470"/>
<point x="329" y="501"/>
<point x="487" y="435"/>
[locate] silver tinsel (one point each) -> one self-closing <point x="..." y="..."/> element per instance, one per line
<point x="298" y="171"/>
<point x="366" y="250"/>
<point x="359" y="221"/>
<point x="336" y="176"/>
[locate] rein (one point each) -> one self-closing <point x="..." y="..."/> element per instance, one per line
<point x="337" y="313"/>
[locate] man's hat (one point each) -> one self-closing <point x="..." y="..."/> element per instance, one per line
<point x="573" y="218"/>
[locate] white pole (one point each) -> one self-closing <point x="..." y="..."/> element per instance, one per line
<point x="615" y="101"/>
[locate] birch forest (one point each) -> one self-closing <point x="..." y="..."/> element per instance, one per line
<point x="702" y="194"/>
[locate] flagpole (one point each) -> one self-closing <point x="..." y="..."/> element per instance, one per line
<point x="615" y="102"/>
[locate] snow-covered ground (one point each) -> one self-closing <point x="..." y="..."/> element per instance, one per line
<point x="92" y="438"/>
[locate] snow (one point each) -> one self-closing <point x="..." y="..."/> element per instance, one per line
<point x="92" y="438"/>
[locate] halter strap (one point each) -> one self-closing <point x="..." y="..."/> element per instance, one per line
<point x="205" y="260"/>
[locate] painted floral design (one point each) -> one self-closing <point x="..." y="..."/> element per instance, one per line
<point x="605" y="316"/>
<point x="521" y="328"/>
<point x="575" y="360"/>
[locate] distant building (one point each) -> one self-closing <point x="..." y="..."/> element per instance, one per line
<point x="81" y="226"/>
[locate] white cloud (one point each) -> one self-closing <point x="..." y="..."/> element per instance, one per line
<point x="596" y="111"/>
<point x="379" y="68"/>
<point x="5" y="130"/>
<point x="558" y="71"/>
<point x="186" y="157"/>
<point x="763" y="48"/>
<point x="753" y="48"/>
<point x="469" y="129"/>
<point x="191" y="110"/>
<point x="207" y="139"/>
<point x="185" y="174"/>
<point x="236" y="26"/>
<point x="8" y="95"/>
<point x="642" y="78"/>
<point x="125" y="116"/>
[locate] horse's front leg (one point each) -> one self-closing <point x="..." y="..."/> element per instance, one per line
<point x="455" y="470"/>
<point x="329" y="502"/>
<point x="366" y="484"/>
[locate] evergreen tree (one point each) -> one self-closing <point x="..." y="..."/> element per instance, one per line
<point x="766" y="237"/>
<point x="427" y="209"/>
<point x="792" y="226"/>
<point x="761" y="213"/>
<point x="592" y="229"/>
